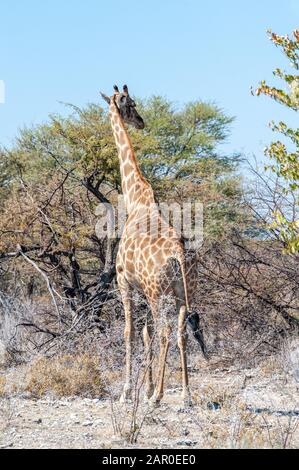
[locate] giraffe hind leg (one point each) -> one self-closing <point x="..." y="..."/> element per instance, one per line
<point x="182" y="342"/>
<point x="147" y="339"/>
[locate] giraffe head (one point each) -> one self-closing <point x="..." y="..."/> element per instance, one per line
<point x="126" y="106"/>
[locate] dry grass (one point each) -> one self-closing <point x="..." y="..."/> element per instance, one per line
<point x="239" y="429"/>
<point x="225" y="413"/>
<point x="226" y="422"/>
<point x="64" y="376"/>
<point x="211" y="396"/>
<point x="7" y="413"/>
<point x="2" y="386"/>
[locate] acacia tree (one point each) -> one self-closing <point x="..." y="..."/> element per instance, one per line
<point x="57" y="173"/>
<point x="286" y="161"/>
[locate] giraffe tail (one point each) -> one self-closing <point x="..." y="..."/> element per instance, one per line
<point x="194" y="322"/>
<point x="193" y="319"/>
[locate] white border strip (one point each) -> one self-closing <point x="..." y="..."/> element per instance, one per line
<point x="2" y="92"/>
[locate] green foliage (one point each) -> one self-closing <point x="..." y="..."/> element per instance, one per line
<point x="180" y="143"/>
<point x="177" y="151"/>
<point x="286" y="161"/>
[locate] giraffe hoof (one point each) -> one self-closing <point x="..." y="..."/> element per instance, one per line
<point x="154" y="402"/>
<point x="146" y="399"/>
<point x="126" y="396"/>
<point x="125" y="400"/>
<point x="148" y="395"/>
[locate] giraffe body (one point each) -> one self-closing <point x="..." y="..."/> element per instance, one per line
<point x="147" y="252"/>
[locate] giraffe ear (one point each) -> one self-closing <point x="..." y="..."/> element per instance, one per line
<point x="125" y="89"/>
<point x="105" y="97"/>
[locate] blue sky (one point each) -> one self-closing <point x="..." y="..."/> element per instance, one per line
<point x="68" y="50"/>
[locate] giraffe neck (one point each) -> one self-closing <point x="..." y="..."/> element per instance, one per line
<point x="135" y="188"/>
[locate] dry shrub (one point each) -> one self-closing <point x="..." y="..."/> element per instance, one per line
<point x="20" y="319"/>
<point x="65" y="375"/>
<point x="248" y="298"/>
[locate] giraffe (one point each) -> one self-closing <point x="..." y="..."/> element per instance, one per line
<point x="146" y="258"/>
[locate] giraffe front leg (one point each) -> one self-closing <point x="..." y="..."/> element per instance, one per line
<point x="129" y="338"/>
<point x="186" y="395"/>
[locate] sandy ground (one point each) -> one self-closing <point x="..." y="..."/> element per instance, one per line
<point x="252" y="408"/>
